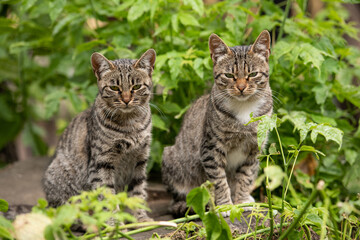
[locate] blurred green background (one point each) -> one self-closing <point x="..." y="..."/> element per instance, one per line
<point x="46" y="76"/>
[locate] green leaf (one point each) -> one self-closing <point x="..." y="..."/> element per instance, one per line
<point x="275" y="175"/>
<point x="197" y="198"/>
<point x="89" y="45"/>
<point x="175" y="22"/>
<point x="188" y="20"/>
<point x="4" y="233"/>
<point x="265" y="125"/>
<point x="170" y="107"/>
<point x="216" y="227"/>
<point x="350" y="156"/>
<point x="4" y="206"/>
<point x="52" y="103"/>
<point x="175" y="67"/>
<point x="49" y="233"/>
<point x="42" y="203"/>
<point x="55" y="8"/>
<point x="158" y="122"/>
<point x="66" y="215"/>
<point x="311" y="54"/>
<point x="330" y="133"/>
<point x="196" y="5"/>
<point x="138" y="9"/>
<point x="198" y="67"/>
<point x="236" y="212"/>
<point x="313" y="219"/>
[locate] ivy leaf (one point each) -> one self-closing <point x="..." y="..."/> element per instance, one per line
<point x="158" y="122"/>
<point x="4" y="206"/>
<point x="329" y="132"/>
<point x="188" y="20"/>
<point x="197" y="198"/>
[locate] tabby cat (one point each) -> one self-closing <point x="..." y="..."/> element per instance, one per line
<point x="109" y="143"/>
<point x="213" y="143"/>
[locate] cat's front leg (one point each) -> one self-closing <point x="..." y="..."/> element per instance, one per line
<point x="245" y="177"/>
<point x="137" y="188"/>
<point x="213" y="159"/>
<point x="102" y="173"/>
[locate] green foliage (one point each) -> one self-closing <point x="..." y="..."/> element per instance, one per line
<point x="45" y="48"/>
<point x="214" y="223"/>
<point x="4" y="206"/>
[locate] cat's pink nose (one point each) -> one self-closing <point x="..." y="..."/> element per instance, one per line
<point x="126" y="97"/>
<point x="241" y="87"/>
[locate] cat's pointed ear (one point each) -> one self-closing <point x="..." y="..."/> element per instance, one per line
<point x="147" y="61"/>
<point x="101" y="65"/>
<point x="262" y="44"/>
<point x="217" y="47"/>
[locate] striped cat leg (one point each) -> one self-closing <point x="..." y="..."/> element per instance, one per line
<point x="213" y="160"/>
<point x="137" y="188"/>
<point x="244" y="178"/>
<point x="102" y="173"/>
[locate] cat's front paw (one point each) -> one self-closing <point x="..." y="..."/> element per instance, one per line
<point x="226" y="214"/>
<point x="248" y="199"/>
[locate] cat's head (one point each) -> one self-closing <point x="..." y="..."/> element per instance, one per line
<point x="241" y="71"/>
<point x="124" y="83"/>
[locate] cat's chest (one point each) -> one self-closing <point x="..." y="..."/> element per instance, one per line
<point x="235" y="158"/>
<point x="242" y="110"/>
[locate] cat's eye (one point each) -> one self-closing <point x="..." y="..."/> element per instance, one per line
<point x="229" y="75"/>
<point x="253" y="74"/>
<point x="114" y="88"/>
<point x="136" y="87"/>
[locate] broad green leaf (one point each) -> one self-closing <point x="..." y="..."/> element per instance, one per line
<point x="216" y="227"/>
<point x="52" y="103"/>
<point x="170" y="107"/>
<point x="311" y="54"/>
<point x="265" y="125"/>
<point x="4" y="206"/>
<point x="49" y="233"/>
<point x="157" y="122"/>
<point x="304" y="179"/>
<point x="305" y="148"/>
<point x="89" y="45"/>
<point x="175" y="22"/>
<point x="187" y="19"/>
<point x="4" y="233"/>
<point x="175" y="67"/>
<point x="138" y="9"/>
<point x="330" y="133"/>
<point x="351" y="156"/>
<point x="313" y="219"/>
<point x="55" y="8"/>
<point x="198" y="67"/>
<point x="66" y="215"/>
<point x="197" y="198"/>
<point x="275" y="175"/>
<point x="196" y="5"/>
<point x="322" y="92"/>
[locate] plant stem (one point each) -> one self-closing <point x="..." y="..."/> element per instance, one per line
<point x="284" y="181"/>
<point x="291" y="172"/>
<point x="259" y="231"/>
<point x="286" y="14"/>
<point x="269" y="201"/>
<point x="313" y="195"/>
<point x="326" y="215"/>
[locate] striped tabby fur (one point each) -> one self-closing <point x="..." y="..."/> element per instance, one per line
<point x="109" y="143"/>
<point x="213" y="143"/>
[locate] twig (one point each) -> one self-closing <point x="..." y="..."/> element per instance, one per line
<point x="260" y="231"/>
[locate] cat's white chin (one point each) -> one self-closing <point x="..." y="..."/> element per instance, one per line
<point x="126" y="110"/>
<point x="242" y="98"/>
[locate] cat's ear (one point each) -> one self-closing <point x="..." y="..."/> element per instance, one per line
<point x="262" y="44"/>
<point x="217" y="47"/>
<point x="146" y="61"/>
<point x="101" y="65"/>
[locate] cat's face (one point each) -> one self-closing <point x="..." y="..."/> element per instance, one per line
<point x="241" y="72"/>
<point x="124" y="84"/>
